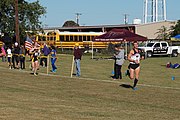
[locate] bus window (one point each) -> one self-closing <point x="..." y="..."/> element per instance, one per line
<point x="51" y="38"/>
<point x="80" y="38"/>
<point x="75" y="38"/>
<point x="61" y="37"/>
<point x="92" y="38"/>
<point x="43" y="38"/>
<point x="88" y="38"/>
<point x="84" y="38"/>
<point x="71" y="38"/>
<point x="48" y="38"/>
<point x="67" y="38"/>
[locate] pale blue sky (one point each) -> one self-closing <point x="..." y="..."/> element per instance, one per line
<point x="99" y="12"/>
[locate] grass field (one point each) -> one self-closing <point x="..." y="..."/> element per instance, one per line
<point x="93" y="96"/>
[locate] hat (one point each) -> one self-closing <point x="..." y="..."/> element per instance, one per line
<point x="16" y="44"/>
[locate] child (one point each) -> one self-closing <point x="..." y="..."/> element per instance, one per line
<point x="53" y="59"/>
<point x="9" y="56"/>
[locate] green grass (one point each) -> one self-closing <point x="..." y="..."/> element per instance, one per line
<point x="93" y="96"/>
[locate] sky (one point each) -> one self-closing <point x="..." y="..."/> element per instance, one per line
<point x="99" y="12"/>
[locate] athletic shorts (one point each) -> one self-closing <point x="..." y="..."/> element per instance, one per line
<point x="34" y="59"/>
<point x="9" y="59"/>
<point x="133" y="66"/>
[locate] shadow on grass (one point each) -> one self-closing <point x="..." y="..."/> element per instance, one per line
<point x="74" y="74"/>
<point x="32" y="73"/>
<point x="125" y="86"/>
<point x="112" y="76"/>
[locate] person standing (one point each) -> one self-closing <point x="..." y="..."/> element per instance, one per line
<point x="134" y="58"/>
<point x="77" y="59"/>
<point x="53" y="58"/>
<point x="9" y="57"/>
<point x="119" y="60"/>
<point x="3" y="53"/>
<point x="45" y="54"/>
<point x="22" y="57"/>
<point x="15" y="57"/>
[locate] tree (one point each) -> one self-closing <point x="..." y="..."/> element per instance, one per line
<point x="176" y="29"/>
<point x="29" y="14"/>
<point x="70" y="23"/>
<point x="163" y="33"/>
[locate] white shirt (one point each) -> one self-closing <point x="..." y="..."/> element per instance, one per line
<point x="9" y="53"/>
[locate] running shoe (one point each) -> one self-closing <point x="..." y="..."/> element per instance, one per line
<point x="135" y="88"/>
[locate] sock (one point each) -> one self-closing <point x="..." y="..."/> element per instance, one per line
<point x="135" y="82"/>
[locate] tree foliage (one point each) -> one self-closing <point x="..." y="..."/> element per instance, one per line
<point x="176" y="29"/>
<point x="70" y="23"/>
<point x="163" y="33"/>
<point x="29" y="14"/>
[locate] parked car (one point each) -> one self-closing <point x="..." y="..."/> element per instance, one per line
<point x="153" y="48"/>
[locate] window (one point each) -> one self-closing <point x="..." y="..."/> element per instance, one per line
<point x="88" y="38"/>
<point x="84" y="38"/>
<point x="150" y="44"/>
<point x="71" y="38"/>
<point x="80" y="38"/>
<point x="67" y="38"/>
<point x="92" y="38"/>
<point x="75" y="38"/>
<point x="51" y="38"/>
<point x="61" y="37"/>
<point x="43" y="38"/>
<point x="164" y="44"/>
<point x="48" y="38"/>
<point x="157" y="45"/>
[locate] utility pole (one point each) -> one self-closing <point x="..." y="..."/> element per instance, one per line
<point x="126" y="19"/>
<point x="17" y="22"/>
<point x="77" y="17"/>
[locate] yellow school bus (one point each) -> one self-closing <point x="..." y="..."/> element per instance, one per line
<point x="68" y="39"/>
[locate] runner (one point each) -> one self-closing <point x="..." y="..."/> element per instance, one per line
<point x="134" y="58"/>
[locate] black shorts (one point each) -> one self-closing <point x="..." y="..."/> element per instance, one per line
<point x="9" y="59"/>
<point x="133" y="66"/>
<point x="34" y="59"/>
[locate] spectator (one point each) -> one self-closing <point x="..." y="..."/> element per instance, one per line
<point x="53" y="58"/>
<point x="22" y="57"/>
<point x="9" y="57"/>
<point x="119" y="60"/>
<point x="3" y="53"/>
<point x="77" y="58"/>
<point x="46" y="52"/>
<point x="15" y="57"/>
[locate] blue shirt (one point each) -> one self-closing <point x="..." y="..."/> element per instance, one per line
<point x="53" y="53"/>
